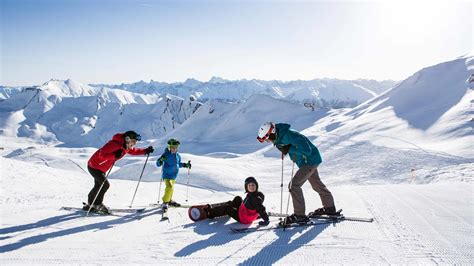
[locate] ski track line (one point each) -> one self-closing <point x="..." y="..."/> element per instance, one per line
<point x="390" y="226"/>
<point x="409" y="234"/>
<point x="440" y="207"/>
<point x="242" y="248"/>
<point x="455" y="223"/>
<point x="378" y="218"/>
<point x="442" y="253"/>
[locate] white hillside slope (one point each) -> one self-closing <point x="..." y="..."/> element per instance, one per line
<point x="432" y="108"/>
<point x="404" y="158"/>
<point x="414" y="224"/>
<point x="423" y="123"/>
<point x="231" y="127"/>
<point x="79" y="115"/>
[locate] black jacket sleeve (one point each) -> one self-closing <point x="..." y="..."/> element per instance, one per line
<point x="255" y="202"/>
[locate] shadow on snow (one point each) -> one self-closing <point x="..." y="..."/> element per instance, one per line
<point x="65" y="232"/>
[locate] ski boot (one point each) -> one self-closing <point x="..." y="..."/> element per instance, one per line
<point x="173" y="203"/>
<point x="101" y="208"/>
<point x="323" y="211"/>
<point x="294" y="219"/>
<point x="86" y="207"/>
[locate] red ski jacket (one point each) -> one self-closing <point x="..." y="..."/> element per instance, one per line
<point x="247" y="216"/>
<point x="252" y="207"/>
<point x="104" y="158"/>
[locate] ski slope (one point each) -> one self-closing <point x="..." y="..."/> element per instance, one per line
<point x="404" y="158"/>
<point x="414" y="223"/>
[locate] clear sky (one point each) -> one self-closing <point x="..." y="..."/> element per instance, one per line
<point x="105" y="41"/>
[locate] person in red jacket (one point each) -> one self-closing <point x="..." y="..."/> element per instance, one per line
<point x="104" y="159"/>
<point x="243" y="211"/>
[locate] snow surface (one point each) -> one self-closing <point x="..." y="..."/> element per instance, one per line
<point x="414" y="224"/>
<point x="404" y="158"/>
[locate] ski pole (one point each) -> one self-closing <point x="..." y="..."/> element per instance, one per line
<point x="96" y="195"/>
<point x="187" y="185"/>
<point x="131" y="203"/>
<point x="159" y="190"/>
<point x="289" y="189"/>
<point x="289" y="193"/>
<point x="281" y="184"/>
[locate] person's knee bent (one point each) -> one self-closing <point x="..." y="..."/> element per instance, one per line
<point x="293" y="186"/>
<point x="106" y="185"/>
<point x="237" y="201"/>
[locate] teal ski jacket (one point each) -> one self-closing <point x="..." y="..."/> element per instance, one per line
<point x="302" y="151"/>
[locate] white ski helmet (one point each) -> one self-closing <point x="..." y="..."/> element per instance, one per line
<point x="265" y="130"/>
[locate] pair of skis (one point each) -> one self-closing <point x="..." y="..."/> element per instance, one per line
<point x="315" y="220"/>
<point x="112" y="211"/>
<point x="164" y="214"/>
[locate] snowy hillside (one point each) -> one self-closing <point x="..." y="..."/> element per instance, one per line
<point x="404" y="158"/>
<point x="414" y="224"/>
<point x="431" y="110"/>
<point x="80" y="115"/>
<point x="230" y="127"/>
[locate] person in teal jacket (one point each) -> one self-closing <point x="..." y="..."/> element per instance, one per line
<point x="307" y="157"/>
<point x="171" y="162"/>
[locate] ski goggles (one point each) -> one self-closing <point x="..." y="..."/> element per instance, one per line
<point x="262" y="139"/>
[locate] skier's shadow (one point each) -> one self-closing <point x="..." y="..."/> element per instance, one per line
<point x="216" y="227"/>
<point x="78" y="229"/>
<point x="41" y="223"/>
<point x="281" y="247"/>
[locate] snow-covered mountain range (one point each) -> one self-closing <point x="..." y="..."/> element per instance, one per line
<point x="318" y="92"/>
<point x="84" y="115"/>
<point x="81" y="115"/>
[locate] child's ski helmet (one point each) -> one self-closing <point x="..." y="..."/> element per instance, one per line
<point x="173" y="143"/>
<point x="250" y="179"/>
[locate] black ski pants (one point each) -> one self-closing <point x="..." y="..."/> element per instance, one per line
<point x="230" y="208"/>
<point x="99" y="178"/>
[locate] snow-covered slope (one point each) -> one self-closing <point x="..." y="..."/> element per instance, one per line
<point x="431" y="110"/>
<point x="414" y="224"/>
<point x="80" y="115"/>
<point x="404" y="158"/>
<point x="231" y="127"/>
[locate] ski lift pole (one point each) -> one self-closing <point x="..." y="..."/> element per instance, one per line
<point x="131" y="203"/>
<point x="187" y="185"/>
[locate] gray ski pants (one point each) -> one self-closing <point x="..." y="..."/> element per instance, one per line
<point x="311" y="174"/>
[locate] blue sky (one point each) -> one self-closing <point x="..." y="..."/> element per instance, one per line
<point x="104" y="41"/>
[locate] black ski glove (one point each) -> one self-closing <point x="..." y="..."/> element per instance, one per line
<point x="162" y="159"/>
<point x="118" y="153"/>
<point x="264" y="223"/>
<point x="187" y="165"/>
<point x="284" y="149"/>
<point x="149" y="150"/>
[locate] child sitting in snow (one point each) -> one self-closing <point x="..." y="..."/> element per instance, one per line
<point x="171" y="162"/>
<point x="244" y="211"/>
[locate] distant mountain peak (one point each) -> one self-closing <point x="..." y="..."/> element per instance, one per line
<point x="217" y="80"/>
